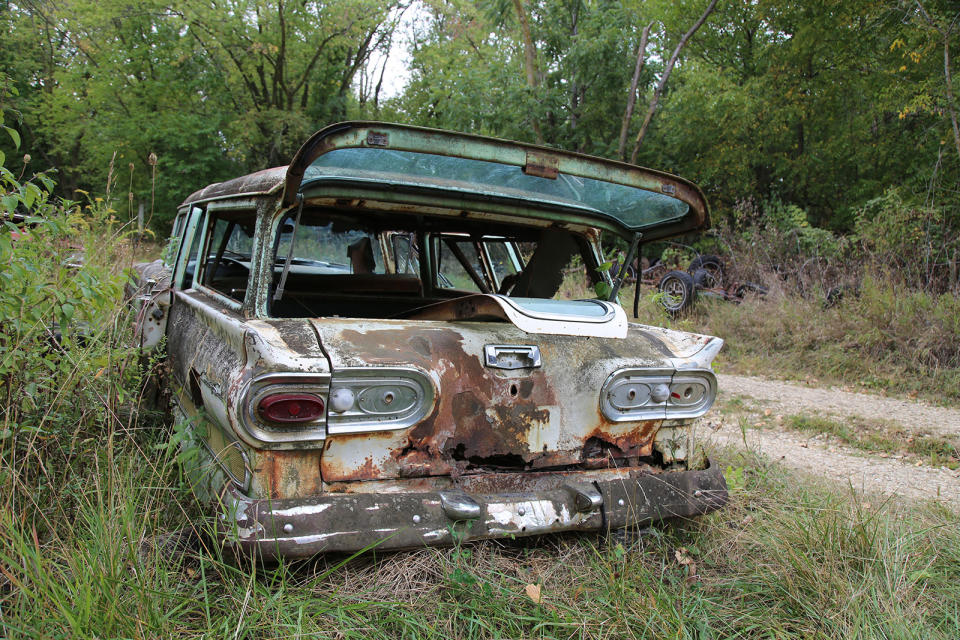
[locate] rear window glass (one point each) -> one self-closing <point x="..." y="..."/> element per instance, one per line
<point x="633" y="207"/>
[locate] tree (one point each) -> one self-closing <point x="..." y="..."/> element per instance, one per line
<point x="212" y="88"/>
<point x="655" y="101"/>
<point x="945" y="24"/>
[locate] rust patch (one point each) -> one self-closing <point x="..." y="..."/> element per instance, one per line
<point x="338" y="449"/>
<point x="604" y="442"/>
<point x="288" y="474"/>
<point x="484" y="419"/>
<point x="479" y="413"/>
<point x="414" y="463"/>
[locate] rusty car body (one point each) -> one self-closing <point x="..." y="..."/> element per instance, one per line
<point x="369" y="349"/>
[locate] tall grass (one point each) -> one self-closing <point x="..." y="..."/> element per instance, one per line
<point x="884" y="338"/>
<point x="787" y="558"/>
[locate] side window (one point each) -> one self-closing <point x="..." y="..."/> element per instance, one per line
<point x="504" y="259"/>
<point x="321" y="247"/>
<point x="187" y="258"/>
<point x="226" y="267"/>
<point x="405" y="254"/>
<point x="176" y="237"/>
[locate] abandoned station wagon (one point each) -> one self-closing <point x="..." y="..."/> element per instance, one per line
<point x="373" y="346"/>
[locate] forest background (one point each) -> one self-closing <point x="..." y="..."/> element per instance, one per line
<point x="821" y="111"/>
<point x="823" y="132"/>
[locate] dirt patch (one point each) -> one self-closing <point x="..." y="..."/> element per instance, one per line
<point x="754" y="424"/>
<point x="787" y="398"/>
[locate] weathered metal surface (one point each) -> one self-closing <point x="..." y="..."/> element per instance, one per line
<point x="285" y="474"/>
<point x="424" y="140"/>
<point x="486" y="418"/>
<point x="254" y="184"/>
<point x="410" y="519"/>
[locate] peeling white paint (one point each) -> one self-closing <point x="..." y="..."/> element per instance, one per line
<point x="302" y="510"/>
<point x="320" y="537"/>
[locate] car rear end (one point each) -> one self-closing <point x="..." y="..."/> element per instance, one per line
<point x="406" y="371"/>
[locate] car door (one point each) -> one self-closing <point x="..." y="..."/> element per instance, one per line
<point x="205" y="332"/>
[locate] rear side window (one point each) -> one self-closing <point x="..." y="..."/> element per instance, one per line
<point x="324" y="247"/>
<point x="176" y="237"/>
<point x="228" y="253"/>
<point x="459" y="265"/>
<point x="193" y="225"/>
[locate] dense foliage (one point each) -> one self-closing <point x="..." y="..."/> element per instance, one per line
<point x="824" y="105"/>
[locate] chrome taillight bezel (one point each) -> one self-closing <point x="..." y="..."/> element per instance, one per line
<point x="633" y="394"/>
<point x="411" y="387"/>
<point x="259" y="431"/>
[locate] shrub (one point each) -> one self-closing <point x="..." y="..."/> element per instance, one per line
<point x="63" y="337"/>
<point x="919" y="241"/>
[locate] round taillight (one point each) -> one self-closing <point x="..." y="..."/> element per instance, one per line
<point x="291" y="407"/>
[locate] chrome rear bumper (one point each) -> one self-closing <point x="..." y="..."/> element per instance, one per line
<point x="346" y="522"/>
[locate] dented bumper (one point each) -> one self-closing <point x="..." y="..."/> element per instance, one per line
<point x="338" y="522"/>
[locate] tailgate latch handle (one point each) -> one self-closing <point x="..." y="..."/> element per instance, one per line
<point x="511" y="356"/>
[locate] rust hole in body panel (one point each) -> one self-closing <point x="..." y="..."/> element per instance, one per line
<point x="484" y="420"/>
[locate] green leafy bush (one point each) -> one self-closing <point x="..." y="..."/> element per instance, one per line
<point x="63" y="337"/>
<point x="919" y="240"/>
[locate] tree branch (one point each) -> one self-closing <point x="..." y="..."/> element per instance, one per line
<point x="655" y="101"/>
<point x="632" y="96"/>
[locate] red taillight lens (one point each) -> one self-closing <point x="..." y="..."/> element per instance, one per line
<point x="291" y="407"/>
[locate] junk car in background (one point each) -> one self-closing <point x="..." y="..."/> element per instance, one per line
<point x="369" y="348"/>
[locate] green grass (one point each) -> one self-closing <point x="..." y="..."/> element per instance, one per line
<point x="787" y="558"/>
<point x="877" y="437"/>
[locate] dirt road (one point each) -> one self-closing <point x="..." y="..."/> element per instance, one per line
<point x="745" y="403"/>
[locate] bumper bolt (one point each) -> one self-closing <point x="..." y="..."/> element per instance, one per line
<point x="620" y="502"/>
<point x="416" y="519"/>
<point x="521" y="511"/>
<point x="288" y="528"/>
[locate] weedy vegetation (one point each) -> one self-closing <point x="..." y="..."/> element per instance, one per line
<point x="871" y="436"/>
<point x="93" y="508"/>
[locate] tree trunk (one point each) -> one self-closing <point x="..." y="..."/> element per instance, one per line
<point x="655" y="101"/>
<point x="632" y="96"/>
<point x="529" y="61"/>
<point x="951" y="105"/>
<point x="946" y="33"/>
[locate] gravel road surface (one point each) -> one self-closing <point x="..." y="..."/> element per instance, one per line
<point x="818" y="455"/>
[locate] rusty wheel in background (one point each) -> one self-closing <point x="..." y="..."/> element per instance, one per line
<point x="678" y="292"/>
<point x="712" y="268"/>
